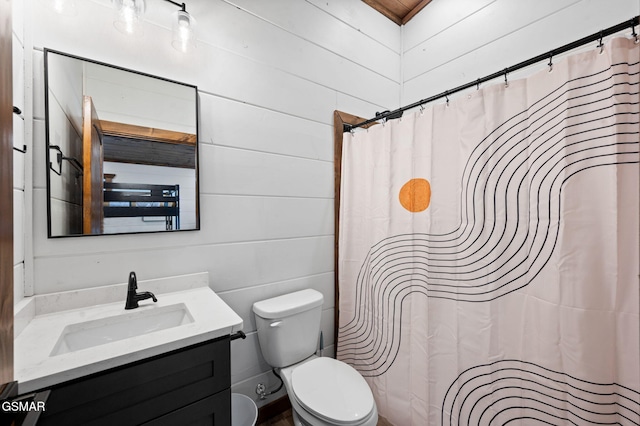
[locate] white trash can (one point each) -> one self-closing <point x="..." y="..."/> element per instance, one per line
<point x="243" y="410"/>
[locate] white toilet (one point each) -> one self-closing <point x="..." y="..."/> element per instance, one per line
<point x="322" y="391"/>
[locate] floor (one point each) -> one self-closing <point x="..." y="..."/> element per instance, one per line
<point x="285" y="419"/>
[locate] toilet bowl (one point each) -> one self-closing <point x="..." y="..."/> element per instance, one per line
<point x="323" y="391"/>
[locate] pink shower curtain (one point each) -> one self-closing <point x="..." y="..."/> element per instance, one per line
<point x="489" y="252"/>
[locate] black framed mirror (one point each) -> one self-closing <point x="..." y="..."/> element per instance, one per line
<point x="122" y="150"/>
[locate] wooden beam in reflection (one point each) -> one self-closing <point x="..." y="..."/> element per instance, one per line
<point x="147" y="133"/>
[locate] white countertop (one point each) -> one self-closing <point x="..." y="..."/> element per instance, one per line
<point x="36" y="368"/>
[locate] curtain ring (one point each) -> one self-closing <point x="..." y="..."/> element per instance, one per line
<point x="600" y="44"/>
<point x="421" y="109"/>
<point x="478" y="85"/>
<point x="506" y="82"/>
<point x="550" y="61"/>
<point x="634" y="33"/>
<point x="446" y="96"/>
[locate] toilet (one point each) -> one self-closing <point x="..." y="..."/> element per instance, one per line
<point x="323" y="391"/>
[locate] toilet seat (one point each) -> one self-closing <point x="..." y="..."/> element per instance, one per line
<point x="332" y="391"/>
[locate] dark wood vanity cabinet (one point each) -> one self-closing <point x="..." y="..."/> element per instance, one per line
<point x="189" y="386"/>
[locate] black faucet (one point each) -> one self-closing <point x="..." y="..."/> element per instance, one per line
<point x="132" y="297"/>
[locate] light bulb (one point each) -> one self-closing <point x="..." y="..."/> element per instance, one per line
<point x="63" y="7"/>
<point x="127" y="16"/>
<point x="184" y="31"/>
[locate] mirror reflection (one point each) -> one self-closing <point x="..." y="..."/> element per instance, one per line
<point x="121" y="148"/>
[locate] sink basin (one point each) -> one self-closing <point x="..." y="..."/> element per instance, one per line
<point x="75" y="337"/>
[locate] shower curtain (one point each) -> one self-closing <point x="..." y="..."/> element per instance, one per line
<point x="488" y="251"/>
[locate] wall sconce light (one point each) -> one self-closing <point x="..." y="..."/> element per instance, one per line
<point x="183" y="29"/>
<point x="127" y="16"/>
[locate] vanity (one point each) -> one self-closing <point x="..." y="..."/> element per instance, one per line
<point x="161" y="363"/>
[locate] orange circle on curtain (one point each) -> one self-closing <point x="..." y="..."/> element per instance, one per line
<point x="415" y="195"/>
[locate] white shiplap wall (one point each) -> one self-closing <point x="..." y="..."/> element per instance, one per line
<point x="458" y="41"/>
<point x="269" y="76"/>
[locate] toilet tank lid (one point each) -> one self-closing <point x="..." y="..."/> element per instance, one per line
<point x="288" y="304"/>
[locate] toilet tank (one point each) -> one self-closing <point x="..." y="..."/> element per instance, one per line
<point x="289" y="326"/>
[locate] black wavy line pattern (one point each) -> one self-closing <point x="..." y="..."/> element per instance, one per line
<point x="511" y="202"/>
<point x="512" y="390"/>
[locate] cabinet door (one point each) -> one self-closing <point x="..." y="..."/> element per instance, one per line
<point x="140" y="392"/>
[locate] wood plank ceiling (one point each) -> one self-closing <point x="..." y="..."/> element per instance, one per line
<point x="399" y="11"/>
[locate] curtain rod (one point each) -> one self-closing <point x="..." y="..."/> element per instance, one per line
<point x="549" y="55"/>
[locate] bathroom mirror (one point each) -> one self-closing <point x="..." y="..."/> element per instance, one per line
<point x="122" y="150"/>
